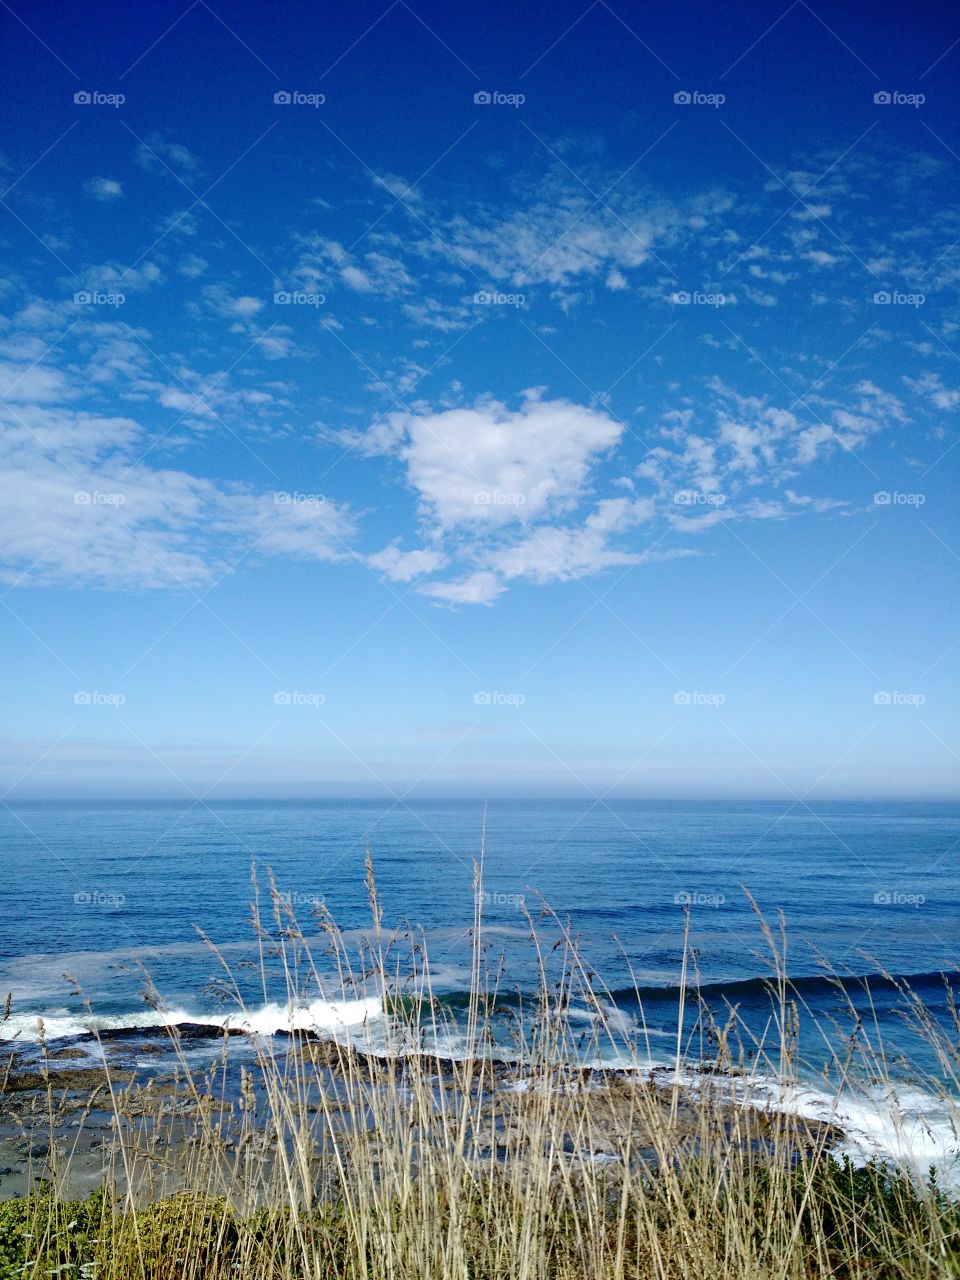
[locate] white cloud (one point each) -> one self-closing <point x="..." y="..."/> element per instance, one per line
<point x="930" y="386"/>
<point x="312" y="527"/>
<point x="489" y="465"/>
<point x="246" y="306"/>
<point x="493" y="482"/>
<point x="192" y="265"/>
<point x="158" y="154"/>
<point x="322" y="262"/>
<point x="242" y="311"/>
<point x="112" y="277"/>
<point x="82" y="500"/>
<point x="431" y="313"/>
<point x="398" y="187"/>
<point x="553" y="554"/>
<point x="747" y="441"/>
<point x="558" y="234"/>
<point x="231" y="307"/>
<point x="481" y="587"/>
<point x="103" y="189"/>
<point x="811" y="212"/>
<point x="116" y="522"/>
<point x="21" y="383"/>
<point x="501" y="490"/>
<point x="183" y="401"/>
<point x="356" y="279"/>
<point x="875" y="400"/>
<point x="404" y="566"/>
<point x="760" y="297"/>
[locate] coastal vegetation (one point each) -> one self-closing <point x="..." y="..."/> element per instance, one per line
<point x="523" y="1154"/>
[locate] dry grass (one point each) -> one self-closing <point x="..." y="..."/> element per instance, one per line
<point x="334" y="1162"/>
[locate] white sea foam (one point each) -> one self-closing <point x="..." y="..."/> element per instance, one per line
<point x="910" y="1128"/>
<point x="607" y="1015"/>
<point x="318" y="1015"/>
<point x="905" y="1125"/>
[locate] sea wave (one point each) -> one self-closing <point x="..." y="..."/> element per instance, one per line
<point x="270" y="1019"/>
<point x="811" y="986"/>
<point x="912" y="1127"/>
<point x="731" y="990"/>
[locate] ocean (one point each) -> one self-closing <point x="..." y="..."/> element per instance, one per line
<point x="99" y="898"/>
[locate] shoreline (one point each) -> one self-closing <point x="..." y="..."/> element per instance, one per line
<point x="140" y="1092"/>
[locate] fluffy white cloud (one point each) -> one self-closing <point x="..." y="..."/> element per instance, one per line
<point x="820" y="257"/>
<point x="551" y="554"/>
<point x="356" y="278"/>
<point x="493" y="483"/>
<point x="231" y="306"/>
<point x="22" y="383"/>
<point x="931" y="387"/>
<point x="711" y="461"/>
<point x="491" y="466"/>
<point x="404" y="566"/>
<point x="323" y="262"/>
<point x="81" y="504"/>
<point x="115" y="525"/>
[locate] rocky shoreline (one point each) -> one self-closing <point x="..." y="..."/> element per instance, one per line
<point x="80" y="1124"/>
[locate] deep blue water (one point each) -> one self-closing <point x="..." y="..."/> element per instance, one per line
<point x="114" y="894"/>
<point x="98" y="890"/>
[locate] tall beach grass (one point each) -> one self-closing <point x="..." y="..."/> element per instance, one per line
<point x="516" y="1157"/>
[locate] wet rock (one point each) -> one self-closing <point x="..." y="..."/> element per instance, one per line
<point x="72" y="1079"/>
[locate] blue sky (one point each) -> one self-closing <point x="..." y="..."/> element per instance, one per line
<point x="401" y="400"/>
